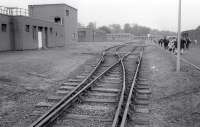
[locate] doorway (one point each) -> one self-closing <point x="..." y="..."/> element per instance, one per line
<point x="46" y="37"/>
<point x="39" y="39"/>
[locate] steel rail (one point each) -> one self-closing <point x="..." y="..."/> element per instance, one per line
<point x="120" y="104"/>
<point x="68" y="95"/>
<point x="116" y="117"/>
<point x="74" y="90"/>
<point x="125" y="114"/>
<point x="188" y="62"/>
<point x="43" y="117"/>
<point x="53" y="115"/>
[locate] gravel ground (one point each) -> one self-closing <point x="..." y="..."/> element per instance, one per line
<point x="27" y="77"/>
<point x="175" y="96"/>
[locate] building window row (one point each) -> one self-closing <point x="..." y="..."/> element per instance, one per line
<point x="34" y="30"/>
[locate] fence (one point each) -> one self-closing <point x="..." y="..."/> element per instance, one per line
<point x="14" y="11"/>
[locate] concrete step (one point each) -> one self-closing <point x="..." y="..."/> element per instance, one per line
<point x="141" y="109"/>
<point x="75" y="80"/>
<point x="81" y="76"/>
<point x="143" y="91"/>
<point x="88" y="117"/>
<point x="62" y="92"/>
<point x="141" y="86"/>
<point x="85" y="74"/>
<point x="111" y="82"/>
<point x="54" y="98"/>
<point x="106" y="90"/>
<point x="70" y="84"/>
<point x="44" y="104"/>
<point x="102" y="94"/>
<point x="141" y="102"/>
<point x="113" y="75"/>
<point x="116" y="86"/>
<point x="100" y="100"/>
<point x="66" y="87"/>
<point x="140" y="119"/>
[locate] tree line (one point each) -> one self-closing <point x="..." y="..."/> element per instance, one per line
<point x="134" y="29"/>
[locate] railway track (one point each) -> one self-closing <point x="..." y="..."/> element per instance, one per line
<point x="99" y="99"/>
<point x="136" y="111"/>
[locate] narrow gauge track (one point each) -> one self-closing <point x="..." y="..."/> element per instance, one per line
<point x="131" y="64"/>
<point x="57" y="109"/>
<point x="136" y="110"/>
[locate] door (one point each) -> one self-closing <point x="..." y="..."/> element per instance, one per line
<point x="39" y="39"/>
<point x="46" y="37"/>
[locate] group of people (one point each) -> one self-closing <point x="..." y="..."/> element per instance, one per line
<point x="171" y="44"/>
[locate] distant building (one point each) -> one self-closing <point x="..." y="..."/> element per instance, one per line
<point x="90" y="35"/>
<point x="194" y="35"/>
<point x="85" y="35"/>
<point x="22" y="29"/>
<point x="124" y="37"/>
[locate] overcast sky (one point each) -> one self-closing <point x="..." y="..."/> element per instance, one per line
<point x="160" y="14"/>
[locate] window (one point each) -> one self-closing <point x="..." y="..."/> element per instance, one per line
<point x="27" y="28"/>
<point x="3" y="27"/>
<point x="51" y="30"/>
<point x="67" y="12"/>
<point x="57" y="20"/>
<point x="74" y="35"/>
<point x="40" y="28"/>
<point x="34" y="32"/>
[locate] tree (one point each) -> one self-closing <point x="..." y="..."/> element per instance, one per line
<point x="105" y="29"/>
<point x="91" y="25"/>
<point x="140" y="30"/>
<point x="127" y="28"/>
<point x="115" y="28"/>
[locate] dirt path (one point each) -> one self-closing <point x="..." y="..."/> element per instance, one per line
<point x="175" y="96"/>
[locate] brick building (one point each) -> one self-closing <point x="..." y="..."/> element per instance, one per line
<point x="37" y="28"/>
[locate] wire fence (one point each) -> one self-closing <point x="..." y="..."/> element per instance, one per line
<point x="14" y="11"/>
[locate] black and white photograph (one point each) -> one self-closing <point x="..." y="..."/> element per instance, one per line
<point x="99" y="63"/>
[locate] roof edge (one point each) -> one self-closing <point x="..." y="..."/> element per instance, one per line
<point x="53" y="5"/>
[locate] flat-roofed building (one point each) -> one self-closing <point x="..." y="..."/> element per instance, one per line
<point x="22" y="29"/>
<point x="60" y="14"/>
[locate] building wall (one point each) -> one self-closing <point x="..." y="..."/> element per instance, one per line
<point x="89" y="35"/>
<point x="27" y="40"/>
<point x="50" y="11"/>
<point x="5" y="37"/>
<point x="16" y="37"/>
